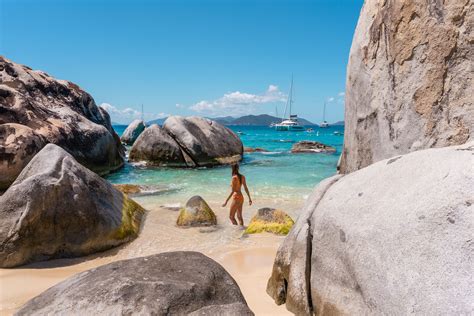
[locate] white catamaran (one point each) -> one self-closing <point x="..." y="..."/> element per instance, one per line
<point x="291" y="123"/>
<point x="324" y="123"/>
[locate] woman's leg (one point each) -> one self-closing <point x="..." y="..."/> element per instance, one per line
<point x="233" y="209"/>
<point x="239" y="213"/>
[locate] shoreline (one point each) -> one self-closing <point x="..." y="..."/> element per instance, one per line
<point x="248" y="259"/>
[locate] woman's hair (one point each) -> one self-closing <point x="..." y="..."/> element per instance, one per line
<point x="235" y="171"/>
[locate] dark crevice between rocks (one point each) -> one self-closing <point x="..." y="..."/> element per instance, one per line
<point x="393" y="160"/>
<point x="309" y="251"/>
<point x="184" y="151"/>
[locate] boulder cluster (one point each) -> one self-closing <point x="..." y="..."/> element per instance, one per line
<point x="36" y="109"/>
<point x="392" y="234"/>
<point x="54" y="143"/>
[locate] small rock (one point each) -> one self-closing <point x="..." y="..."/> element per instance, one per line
<point x="312" y="147"/>
<point x="196" y="213"/>
<point x="270" y="220"/>
<point x="254" y="150"/>
<point x="140" y="189"/>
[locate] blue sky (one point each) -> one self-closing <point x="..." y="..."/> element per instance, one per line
<point x="209" y="58"/>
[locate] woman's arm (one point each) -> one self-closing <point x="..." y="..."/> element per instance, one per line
<point x="244" y="182"/>
<point x="231" y="191"/>
<point x="228" y="198"/>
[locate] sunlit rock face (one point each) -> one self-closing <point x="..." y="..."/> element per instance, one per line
<point x="36" y="109"/>
<point x="57" y="208"/>
<point x="132" y="132"/>
<point x="187" y="142"/>
<point x="409" y="80"/>
<point x="169" y="283"/>
<point x="392" y="238"/>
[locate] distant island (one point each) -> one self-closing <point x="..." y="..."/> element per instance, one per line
<point x="262" y="119"/>
<point x="338" y="123"/>
<point x="249" y="120"/>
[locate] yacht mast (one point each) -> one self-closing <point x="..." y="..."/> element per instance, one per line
<point x="324" y="112"/>
<point x="291" y="94"/>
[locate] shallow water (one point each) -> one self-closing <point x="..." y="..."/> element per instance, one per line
<point x="247" y="258"/>
<point x="277" y="177"/>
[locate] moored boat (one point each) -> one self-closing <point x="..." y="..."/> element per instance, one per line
<point x="291" y="123"/>
<point x="324" y="123"/>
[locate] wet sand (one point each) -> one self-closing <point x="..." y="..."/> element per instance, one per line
<point x="249" y="259"/>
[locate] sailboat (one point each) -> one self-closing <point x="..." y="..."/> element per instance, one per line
<point x="272" y="124"/>
<point x="324" y="123"/>
<point x="291" y="123"/>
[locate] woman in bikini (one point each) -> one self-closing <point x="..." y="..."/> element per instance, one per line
<point x="237" y="197"/>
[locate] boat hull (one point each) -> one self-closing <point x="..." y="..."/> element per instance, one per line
<point x="289" y="128"/>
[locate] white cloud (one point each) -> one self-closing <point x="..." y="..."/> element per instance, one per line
<point x="180" y="106"/>
<point x="239" y="103"/>
<point x="128" y="114"/>
<point x="338" y="99"/>
<point x="272" y="88"/>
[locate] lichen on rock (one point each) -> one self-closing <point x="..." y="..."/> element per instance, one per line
<point x="58" y="208"/>
<point x="196" y="213"/>
<point x="271" y="221"/>
<point x="128" y="188"/>
<point x="132" y="214"/>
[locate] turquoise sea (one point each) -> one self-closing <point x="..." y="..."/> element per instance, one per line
<point x="277" y="177"/>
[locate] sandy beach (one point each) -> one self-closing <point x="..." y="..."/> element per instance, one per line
<point x="249" y="259"/>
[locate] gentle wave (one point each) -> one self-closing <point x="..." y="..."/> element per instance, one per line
<point x="272" y="152"/>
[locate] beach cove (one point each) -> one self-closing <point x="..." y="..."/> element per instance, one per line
<point x="248" y="258"/>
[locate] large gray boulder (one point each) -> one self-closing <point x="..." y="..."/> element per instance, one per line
<point x="18" y="144"/>
<point x="157" y="148"/>
<point x="132" y="132"/>
<point x="409" y="80"/>
<point x="392" y="238"/>
<point x="188" y="142"/>
<point x="207" y="142"/>
<point x="171" y="283"/>
<point x="58" y="208"/>
<point x="36" y="109"/>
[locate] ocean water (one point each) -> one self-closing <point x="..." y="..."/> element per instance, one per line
<point x="276" y="178"/>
